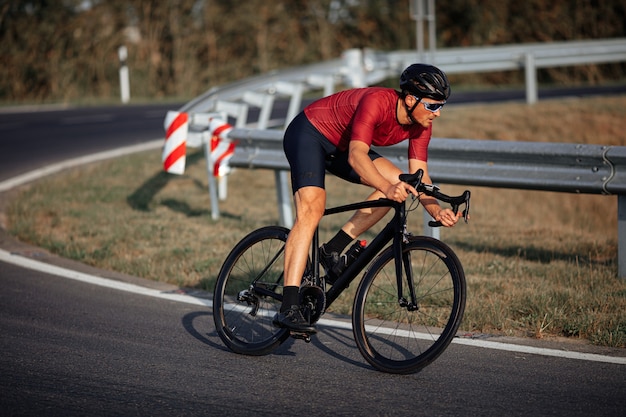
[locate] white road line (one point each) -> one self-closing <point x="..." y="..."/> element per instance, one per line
<point x="103" y="282"/>
<point x="541" y="351"/>
<point x="510" y="347"/>
<point x="71" y="163"/>
<point x="185" y="298"/>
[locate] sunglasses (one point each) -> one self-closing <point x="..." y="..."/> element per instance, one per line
<point x="431" y="107"/>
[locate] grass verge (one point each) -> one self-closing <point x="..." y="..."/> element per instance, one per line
<point x="538" y="264"/>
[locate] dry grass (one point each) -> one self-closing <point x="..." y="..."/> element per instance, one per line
<point x="586" y="120"/>
<point x="539" y="264"/>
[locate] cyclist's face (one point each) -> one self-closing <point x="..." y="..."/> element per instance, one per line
<point x="421" y="115"/>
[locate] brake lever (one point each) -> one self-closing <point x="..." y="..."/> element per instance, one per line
<point x="467" y="206"/>
<point x="431" y="188"/>
<point x="455" y="210"/>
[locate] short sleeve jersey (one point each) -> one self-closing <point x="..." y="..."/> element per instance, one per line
<point x="367" y="115"/>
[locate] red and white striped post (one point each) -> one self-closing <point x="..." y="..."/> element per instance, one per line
<point x="218" y="150"/>
<point x="174" y="150"/>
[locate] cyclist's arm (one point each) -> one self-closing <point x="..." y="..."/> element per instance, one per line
<point x="431" y="205"/>
<point x="360" y="161"/>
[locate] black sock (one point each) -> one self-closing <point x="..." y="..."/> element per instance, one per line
<point x="291" y="297"/>
<point x="339" y="242"/>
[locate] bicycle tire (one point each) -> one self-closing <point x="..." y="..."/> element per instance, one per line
<point x="390" y="337"/>
<point x="248" y="292"/>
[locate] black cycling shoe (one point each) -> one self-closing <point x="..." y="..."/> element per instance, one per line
<point x="333" y="264"/>
<point x="293" y="320"/>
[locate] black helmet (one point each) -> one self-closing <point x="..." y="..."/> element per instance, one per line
<point x="423" y="80"/>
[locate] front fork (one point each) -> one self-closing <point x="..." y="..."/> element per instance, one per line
<point x="403" y="261"/>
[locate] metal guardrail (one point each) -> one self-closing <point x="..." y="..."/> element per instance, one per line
<point x="561" y="167"/>
<point x="540" y="166"/>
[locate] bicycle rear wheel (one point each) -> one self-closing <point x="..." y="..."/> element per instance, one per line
<point x="403" y="338"/>
<point x="248" y="293"/>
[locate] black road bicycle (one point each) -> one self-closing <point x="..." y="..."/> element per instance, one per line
<point x="407" y="307"/>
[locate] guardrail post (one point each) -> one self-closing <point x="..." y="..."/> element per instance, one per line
<point x="327" y="82"/>
<point x="264" y="102"/>
<point x="530" y="69"/>
<point x="284" y="198"/>
<point x="295" y="91"/>
<point x="213" y="191"/>
<point x="621" y="236"/>
<point x="355" y="75"/>
<point x="430" y="231"/>
<point x="237" y="110"/>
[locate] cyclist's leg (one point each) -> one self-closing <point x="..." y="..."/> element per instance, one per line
<point x="306" y="150"/>
<point x="363" y="219"/>
<point x="310" y="203"/>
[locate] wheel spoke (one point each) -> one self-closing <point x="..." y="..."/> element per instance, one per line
<point x="395" y="338"/>
<point x="248" y="293"/>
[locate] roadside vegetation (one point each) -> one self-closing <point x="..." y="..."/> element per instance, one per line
<point x="538" y="264"/>
<point x="67" y="51"/>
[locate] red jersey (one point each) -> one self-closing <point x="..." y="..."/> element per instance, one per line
<point x="367" y="115"/>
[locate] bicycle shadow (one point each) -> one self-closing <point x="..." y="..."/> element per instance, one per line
<point x="196" y="329"/>
<point x="212" y="339"/>
<point x="208" y="338"/>
<point x="343" y="338"/>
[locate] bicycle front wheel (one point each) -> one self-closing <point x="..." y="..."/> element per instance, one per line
<point x="248" y="293"/>
<point x="396" y="332"/>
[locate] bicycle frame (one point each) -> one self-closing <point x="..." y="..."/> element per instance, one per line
<point x="394" y="230"/>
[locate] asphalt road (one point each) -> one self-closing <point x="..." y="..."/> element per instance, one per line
<point x="75" y="348"/>
<point x="33" y="139"/>
<point x="71" y="348"/>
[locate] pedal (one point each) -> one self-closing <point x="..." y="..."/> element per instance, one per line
<point x="301" y="335"/>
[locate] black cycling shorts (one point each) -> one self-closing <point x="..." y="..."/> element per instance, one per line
<point x="310" y="154"/>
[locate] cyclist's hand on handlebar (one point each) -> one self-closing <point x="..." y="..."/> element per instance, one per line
<point x="400" y="191"/>
<point x="447" y="217"/>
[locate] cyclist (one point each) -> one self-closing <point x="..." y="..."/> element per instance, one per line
<point x="335" y="133"/>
